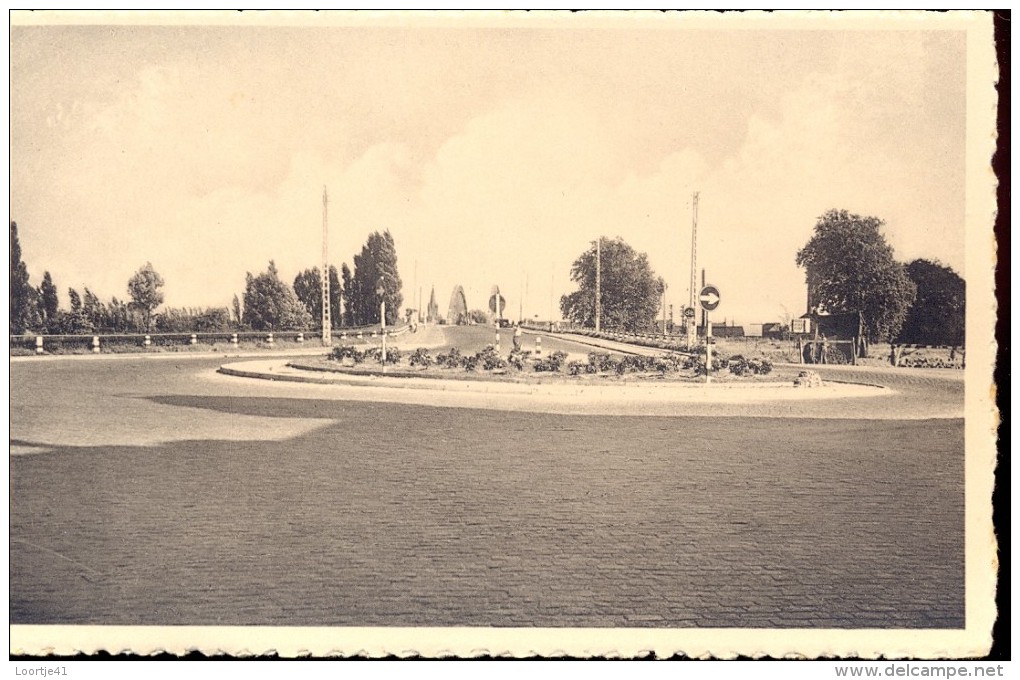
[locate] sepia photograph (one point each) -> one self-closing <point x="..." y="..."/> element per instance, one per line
<point x="459" y="334"/>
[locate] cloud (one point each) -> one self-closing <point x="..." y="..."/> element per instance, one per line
<point x="210" y="167"/>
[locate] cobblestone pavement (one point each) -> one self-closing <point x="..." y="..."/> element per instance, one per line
<point x="362" y="513"/>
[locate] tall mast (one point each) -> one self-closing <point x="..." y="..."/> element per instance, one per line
<point x="691" y="321"/>
<point x="327" y="323"/>
<point x="598" y="285"/>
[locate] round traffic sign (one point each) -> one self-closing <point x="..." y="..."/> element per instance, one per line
<point x="689" y="313"/>
<point x="709" y="298"/>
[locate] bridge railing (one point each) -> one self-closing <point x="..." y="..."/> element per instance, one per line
<point x="113" y="342"/>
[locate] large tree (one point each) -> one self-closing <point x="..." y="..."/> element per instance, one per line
<point x="432" y="316"/>
<point x="308" y="288"/>
<point x="376" y="279"/>
<point x="94" y="309"/>
<point x="851" y="268"/>
<point x="146" y="290"/>
<point x="49" y="303"/>
<point x="938" y="314"/>
<point x="271" y="304"/>
<point x="24" y="307"/>
<point x="235" y="310"/>
<point x="348" y="293"/>
<point x="630" y="289"/>
<point x="75" y="321"/>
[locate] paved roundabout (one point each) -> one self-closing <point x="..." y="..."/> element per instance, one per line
<point x="152" y="490"/>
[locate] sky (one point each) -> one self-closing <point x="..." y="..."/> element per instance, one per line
<point x="494" y="154"/>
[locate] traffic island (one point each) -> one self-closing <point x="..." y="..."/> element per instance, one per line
<point x="632" y="394"/>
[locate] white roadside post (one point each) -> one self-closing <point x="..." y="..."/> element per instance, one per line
<point x="95" y="344"/>
<point x="39" y="344"/>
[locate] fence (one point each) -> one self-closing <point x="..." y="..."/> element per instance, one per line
<point x="928" y="356"/>
<point x="827" y="351"/>
<point x="99" y="342"/>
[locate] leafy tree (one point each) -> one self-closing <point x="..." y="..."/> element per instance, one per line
<point x="308" y="288"/>
<point x="188" y="320"/>
<point x="94" y="309"/>
<point x="122" y="318"/>
<point x="851" y="268"/>
<point x="348" y="292"/>
<point x="630" y="289"/>
<point x="478" y="316"/>
<point x="49" y="303"/>
<point x="432" y="316"/>
<point x="145" y="290"/>
<point x="938" y="314"/>
<point x="74" y="300"/>
<point x="375" y="269"/>
<point x="75" y="321"/>
<point x="235" y="308"/>
<point x="212" y="320"/>
<point x="270" y="304"/>
<point x="24" y="307"/>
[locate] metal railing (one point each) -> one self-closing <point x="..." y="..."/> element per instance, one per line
<point x="96" y="342"/>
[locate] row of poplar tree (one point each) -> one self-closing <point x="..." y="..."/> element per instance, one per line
<point x="266" y="304"/>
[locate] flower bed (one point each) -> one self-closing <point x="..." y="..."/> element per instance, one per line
<point x="521" y="366"/>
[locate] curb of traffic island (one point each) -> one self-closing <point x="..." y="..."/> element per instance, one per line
<point x="325" y="376"/>
<point x="263" y="375"/>
<point x="469" y="382"/>
<point x="629" y="393"/>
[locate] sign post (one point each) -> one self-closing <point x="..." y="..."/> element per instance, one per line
<point x="709" y="299"/>
<point x="381" y="290"/>
<point x="708" y="350"/>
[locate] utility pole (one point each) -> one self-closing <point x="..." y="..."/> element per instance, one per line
<point x="664" y="286"/>
<point x="327" y="322"/>
<point x="598" y="286"/>
<point x="704" y="312"/>
<point x="520" y="306"/>
<point x="552" y="286"/>
<point x="692" y="324"/>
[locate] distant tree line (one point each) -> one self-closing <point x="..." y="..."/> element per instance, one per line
<point x="266" y="304"/>
<point x="355" y="296"/>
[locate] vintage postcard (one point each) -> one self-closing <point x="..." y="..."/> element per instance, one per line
<point x="502" y="333"/>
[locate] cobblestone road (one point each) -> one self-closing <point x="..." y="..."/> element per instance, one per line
<point x="401" y="515"/>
